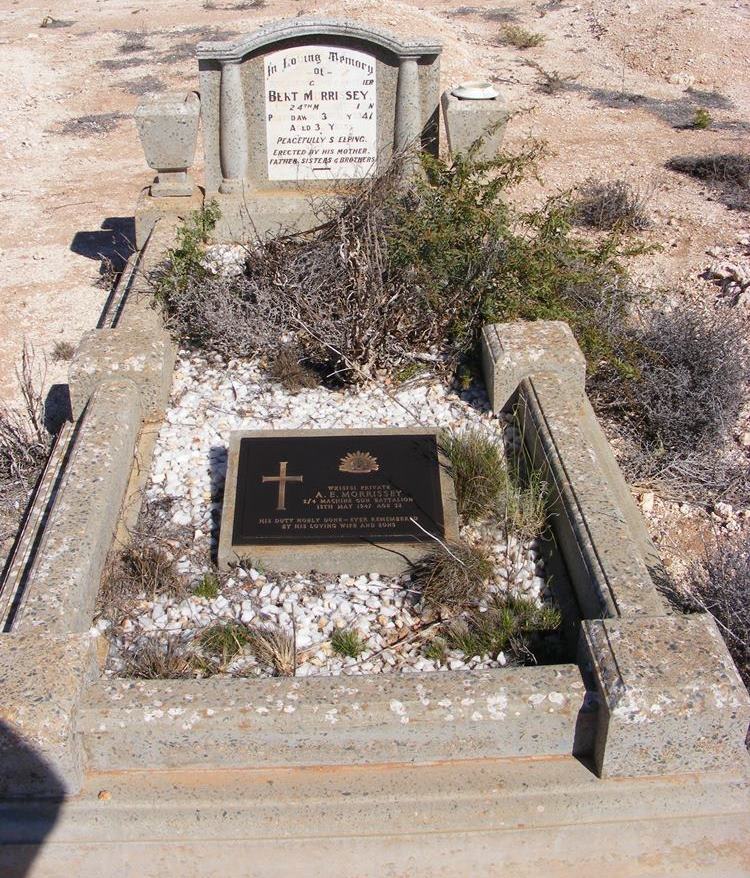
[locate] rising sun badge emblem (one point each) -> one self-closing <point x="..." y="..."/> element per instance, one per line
<point x="359" y="462"/>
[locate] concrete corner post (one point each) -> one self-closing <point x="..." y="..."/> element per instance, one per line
<point x="42" y="679"/>
<point x="671" y="699"/>
<point x="467" y="121"/>
<point x="144" y="356"/>
<point x="514" y="351"/>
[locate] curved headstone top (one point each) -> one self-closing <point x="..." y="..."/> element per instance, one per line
<point x="314" y="26"/>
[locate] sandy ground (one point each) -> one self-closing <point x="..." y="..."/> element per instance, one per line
<point x="73" y="166"/>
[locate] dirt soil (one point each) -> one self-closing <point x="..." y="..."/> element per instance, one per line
<point x="74" y="69"/>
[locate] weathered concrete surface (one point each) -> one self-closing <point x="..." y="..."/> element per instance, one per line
<point x="466" y="121"/>
<point x="514" y="351"/>
<point x="142" y="356"/>
<point x="65" y="577"/>
<point x="42" y="677"/>
<point x="168" y="127"/>
<point x="671" y="698"/>
<point x="486" y="818"/>
<point x="173" y="210"/>
<point x="226" y="722"/>
<point x="605" y="560"/>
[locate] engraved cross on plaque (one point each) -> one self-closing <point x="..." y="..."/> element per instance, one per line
<point x="282" y="478"/>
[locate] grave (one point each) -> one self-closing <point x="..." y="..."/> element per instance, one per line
<point x="630" y="752"/>
<point x="335" y="500"/>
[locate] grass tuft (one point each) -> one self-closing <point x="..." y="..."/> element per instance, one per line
<point x="63" y="351"/>
<point x="452" y="576"/>
<point x="510" y="624"/>
<point x="437" y="650"/>
<point x="224" y="641"/>
<point x="477" y="467"/>
<point x="274" y="648"/>
<point x="208" y="587"/>
<point x="159" y="660"/>
<point x="347" y="642"/>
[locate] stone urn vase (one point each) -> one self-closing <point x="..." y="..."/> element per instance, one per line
<point x="168" y="128"/>
<point x="475" y="111"/>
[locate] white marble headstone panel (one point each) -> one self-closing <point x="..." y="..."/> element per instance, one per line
<point x="320" y="113"/>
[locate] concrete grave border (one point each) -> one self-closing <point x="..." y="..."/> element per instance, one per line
<point x="652" y="717"/>
<point x="594" y="709"/>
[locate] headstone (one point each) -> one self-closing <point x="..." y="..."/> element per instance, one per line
<point x="305" y="105"/>
<point x="335" y="501"/>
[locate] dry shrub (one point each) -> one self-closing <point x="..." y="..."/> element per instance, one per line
<point x="138" y="570"/>
<point x="612" y="204"/>
<point x="24" y="439"/>
<point x="675" y="410"/>
<point x="453" y="576"/>
<point x="391" y="277"/>
<point x="728" y="173"/>
<point x="287" y="367"/>
<point x="159" y="660"/>
<point x="718" y="582"/>
<point x="145" y="566"/>
<point x="520" y="38"/>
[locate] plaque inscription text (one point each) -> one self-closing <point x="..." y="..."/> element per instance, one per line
<point x="320" y="113"/>
<point x="349" y="488"/>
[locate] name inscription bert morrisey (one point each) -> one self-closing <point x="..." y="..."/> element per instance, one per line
<point x="340" y="488"/>
<point x="320" y="113"/>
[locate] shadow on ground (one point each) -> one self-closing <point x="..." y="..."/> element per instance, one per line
<point x="111" y="245"/>
<point x="24" y="823"/>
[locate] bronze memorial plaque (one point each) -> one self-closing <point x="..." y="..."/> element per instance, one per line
<point x="357" y="488"/>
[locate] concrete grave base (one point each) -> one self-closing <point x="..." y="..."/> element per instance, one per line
<point x="490" y="818"/>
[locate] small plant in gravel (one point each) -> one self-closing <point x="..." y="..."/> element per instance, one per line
<point x="612" y="205"/>
<point x="208" y="587"/>
<point x="437" y="650"/>
<point x="347" y="642"/>
<point x="287" y="367"/>
<point x="274" y="648"/>
<point x="453" y="575"/>
<point x="159" y="660"/>
<point x="702" y="119"/>
<point x="224" y="641"/>
<point x="477" y="467"/>
<point x="520" y="38"/>
<point x="63" y="351"/>
<point x="509" y="624"/>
